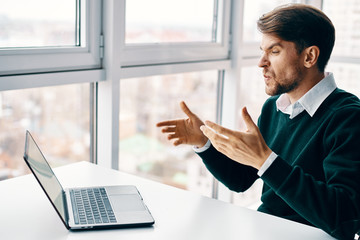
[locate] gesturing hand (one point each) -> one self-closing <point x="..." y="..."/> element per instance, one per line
<point x="247" y="148"/>
<point x="185" y="131"/>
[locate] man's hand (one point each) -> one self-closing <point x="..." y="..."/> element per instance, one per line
<point x="185" y="131"/>
<point x="248" y="148"/>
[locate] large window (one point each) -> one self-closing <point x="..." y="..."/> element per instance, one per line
<point x="59" y="119"/>
<point x="38" y="23"/>
<point x="46" y="36"/>
<point x="43" y="44"/>
<point x="144" y="150"/>
<point x="170" y="21"/>
<point x="165" y="32"/>
<point x="163" y="52"/>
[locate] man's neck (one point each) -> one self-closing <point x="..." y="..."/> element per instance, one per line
<point x="309" y="81"/>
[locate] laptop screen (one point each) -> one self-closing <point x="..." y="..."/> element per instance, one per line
<point x="44" y="174"/>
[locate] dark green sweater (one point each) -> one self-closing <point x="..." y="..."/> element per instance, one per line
<point x="316" y="177"/>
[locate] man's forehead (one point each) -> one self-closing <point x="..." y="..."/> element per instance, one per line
<point x="269" y="41"/>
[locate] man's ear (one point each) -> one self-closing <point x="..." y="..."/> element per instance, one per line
<point x="311" y="56"/>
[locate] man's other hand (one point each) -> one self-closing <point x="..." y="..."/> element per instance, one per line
<point x="184" y="131"/>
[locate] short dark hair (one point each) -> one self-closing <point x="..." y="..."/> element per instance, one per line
<point x="303" y="25"/>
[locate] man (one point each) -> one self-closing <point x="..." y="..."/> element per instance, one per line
<point x="305" y="147"/>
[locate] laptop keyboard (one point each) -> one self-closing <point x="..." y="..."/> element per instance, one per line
<point x="91" y="206"/>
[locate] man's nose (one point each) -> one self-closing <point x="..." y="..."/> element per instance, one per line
<point x="263" y="61"/>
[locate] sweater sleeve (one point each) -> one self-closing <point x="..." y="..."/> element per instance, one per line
<point x="334" y="203"/>
<point x="235" y="176"/>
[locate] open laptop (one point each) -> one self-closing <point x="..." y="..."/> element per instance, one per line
<point x="87" y="208"/>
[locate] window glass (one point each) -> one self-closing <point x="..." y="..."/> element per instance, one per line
<point x="58" y="117"/>
<point x="252" y="11"/>
<point x="144" y="150"/>
<point x="345" y="16"/>
<point x="37" y="23"/>
<point x="163" y="21"/>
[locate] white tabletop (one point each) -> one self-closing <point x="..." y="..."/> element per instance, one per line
<point x="26" y="213"/>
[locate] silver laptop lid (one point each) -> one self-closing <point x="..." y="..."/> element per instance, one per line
<point x="45" y="176"/>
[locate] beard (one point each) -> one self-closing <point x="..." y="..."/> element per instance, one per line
<point x="286" y="85"/>
<point x="281" y="88"/>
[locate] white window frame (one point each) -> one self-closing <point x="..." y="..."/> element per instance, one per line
<point x="136" y="58"/>
<point x="52" y="59"/>
<point x="117" y="61"/>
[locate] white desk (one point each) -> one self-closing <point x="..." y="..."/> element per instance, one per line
<point x="26" y="213"/>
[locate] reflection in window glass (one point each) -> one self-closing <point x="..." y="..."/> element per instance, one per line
<point x="144" y="150"/>
<point x="346" y="76"/>
<point x="58" y="117"/>
<point x="163" y="21"/>
<point x="345" y="16"/>
<point x="252" y="11"/>
<point x="251" y="93"/>
<point x="37" y="23"/>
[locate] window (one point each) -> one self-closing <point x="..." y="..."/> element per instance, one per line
<point x="183" y="21"/>
<point x="58" y="117"/>
<point x="144" y="150"/>
<point x="41" y="36"/>
<point x="165" y="32"/>
<point x="38" y="23"/>
<point x="42" y="45"/>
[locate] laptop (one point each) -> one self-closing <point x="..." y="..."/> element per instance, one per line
<point x="90" y="207"/>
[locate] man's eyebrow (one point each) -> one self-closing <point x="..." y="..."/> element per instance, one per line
<point x="272" y="46"/>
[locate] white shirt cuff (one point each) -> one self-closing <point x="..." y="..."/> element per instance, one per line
<point x="267" y="163"/>
<point x="204" y="148"/>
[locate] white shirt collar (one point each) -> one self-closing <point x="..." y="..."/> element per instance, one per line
<point x="311" y="101"/>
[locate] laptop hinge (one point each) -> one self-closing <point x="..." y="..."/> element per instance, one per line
<point x="66" y="210"/>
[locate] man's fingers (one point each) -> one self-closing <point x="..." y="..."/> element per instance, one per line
<point x="186" y="110"/>
<point x="178" y="142"/>
<point x="167" y="123"/>
<point x="172" y="136"/>
<point x="248" y="120"/>
<point x="168" y="129"/>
